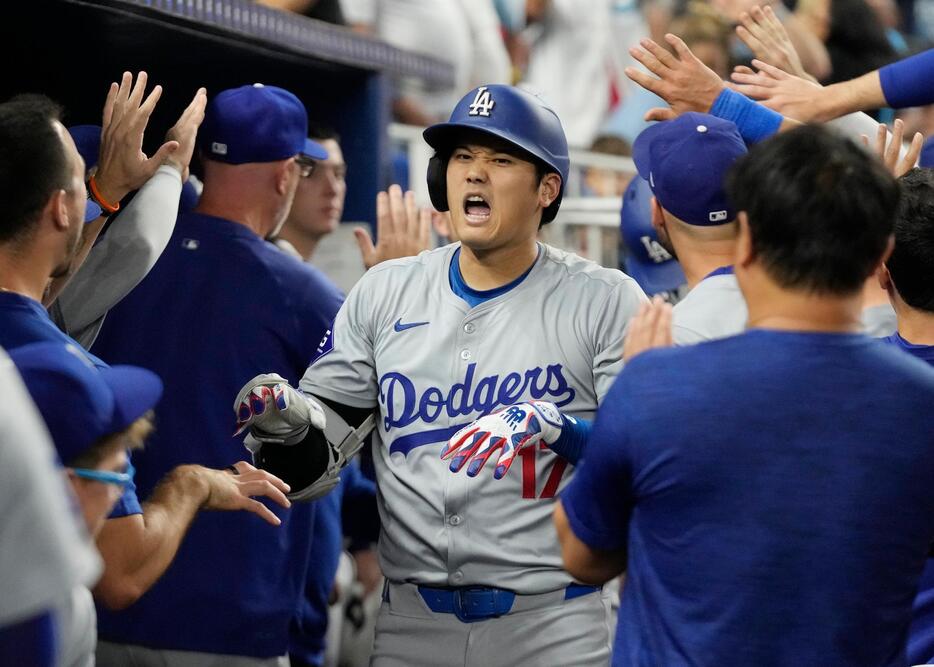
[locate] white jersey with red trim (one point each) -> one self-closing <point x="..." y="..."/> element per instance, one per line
<point x="405" y="343"/>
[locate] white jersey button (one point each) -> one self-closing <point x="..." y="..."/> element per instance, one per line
<point x="470" y="327"/>
<point x="457" y="577"/>
<point x="465" y="355"/>
<point x="454" y="520"/>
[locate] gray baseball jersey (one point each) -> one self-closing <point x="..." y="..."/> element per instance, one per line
<point x="405" y="343"/>
<point x="715" y="308"/>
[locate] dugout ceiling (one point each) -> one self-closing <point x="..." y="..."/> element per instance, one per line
<point x="71" y="50"/>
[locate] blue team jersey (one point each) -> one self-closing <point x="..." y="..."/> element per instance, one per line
<point x="220" y="307"/>
<point x="24" y="321"/>
<point x="921" y="635"/>
<point x="773" y="491"/>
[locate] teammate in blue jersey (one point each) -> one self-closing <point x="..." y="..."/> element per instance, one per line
<point x="221" y="305"/>
<point x="434" y="343"/>
<point x="906" y="276"/>
<point x="42" y="181"/>
<point x="786" y="517"/>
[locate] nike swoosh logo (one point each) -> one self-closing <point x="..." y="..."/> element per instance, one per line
<point x="399" y="326"/>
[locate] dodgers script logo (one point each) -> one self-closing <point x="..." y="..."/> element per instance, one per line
<point x="403" y="405"/>
<point x="482" y="103"/>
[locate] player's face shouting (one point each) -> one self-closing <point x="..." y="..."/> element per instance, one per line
<point x="494" y="196"/>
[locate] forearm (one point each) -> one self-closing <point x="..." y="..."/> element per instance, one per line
<point x="573" y="440"/>
<point x="586" y="565"/>
<point x="840" y="99"/>
<point x="126" y="253"/>
<point x="137" y="549"/>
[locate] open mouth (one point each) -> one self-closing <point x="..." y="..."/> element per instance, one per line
<point x="477" y="209"/>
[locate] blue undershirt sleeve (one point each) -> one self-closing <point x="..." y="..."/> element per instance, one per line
<point x="30" y="642"/>
<point x="909" y="82"/>
<point x="573" y="440"/>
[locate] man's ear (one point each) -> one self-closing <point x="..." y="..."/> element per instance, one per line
<point x="283" y="175"/>
<point x="658" y="216"/>
<point x="549" y="188"/>
<point x="56" y="210"/>
<point x="745" y="253"/>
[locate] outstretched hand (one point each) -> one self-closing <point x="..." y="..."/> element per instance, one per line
<point x="230" y="491"/>
<point x="123" y="166"/>
<point x="684" y="82"/>
<point x="402" y="229"/>
<point x="767" y="38"/>
<point x="789" y="95"/>
<point x="888" y="150"/>
<point x="185" y="131"/>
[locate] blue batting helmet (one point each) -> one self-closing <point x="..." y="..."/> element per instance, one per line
<point x="646" y="261"/>
<point x="511" y="114"/>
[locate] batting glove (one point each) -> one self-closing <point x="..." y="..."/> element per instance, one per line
<point x="509" y="430"/>
<point x="275" y="412"/>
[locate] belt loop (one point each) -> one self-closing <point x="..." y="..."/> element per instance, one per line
<point x="386" y="590"/>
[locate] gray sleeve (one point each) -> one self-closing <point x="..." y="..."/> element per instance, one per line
<point x="122" y="257"/>
<point x="855" y="124"/>
<point x="46" y="551"/>
<point x="346" y="372"/>
<point x="682" y="335"/>
<point x="612" y="320"/>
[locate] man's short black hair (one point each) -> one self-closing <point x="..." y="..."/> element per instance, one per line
<point x="820" y="209"/>
<point x="321" y="132"/>
<point x="912" y="262"/>
<point x="33" y="163"/>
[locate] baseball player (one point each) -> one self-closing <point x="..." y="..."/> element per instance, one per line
<point x="436" y="344"/>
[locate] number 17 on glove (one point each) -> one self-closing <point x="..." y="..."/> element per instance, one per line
<point x="507" y="431"/>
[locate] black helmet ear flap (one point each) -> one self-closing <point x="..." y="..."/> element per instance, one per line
<point x="438" y="182"/>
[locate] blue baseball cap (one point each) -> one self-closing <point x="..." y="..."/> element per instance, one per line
<point x="256" y="123"/>
<point x="87" y="140"/>
<point x="686" y="161"/>
<point x="80" y="403"/>
<point x="646" y="260"/>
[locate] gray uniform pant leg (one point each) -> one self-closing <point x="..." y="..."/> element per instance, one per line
<point x="571" y="632"/>
<point x="110" y="654"/>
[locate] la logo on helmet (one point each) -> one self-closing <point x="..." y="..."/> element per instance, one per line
<point x="482" y="103"/>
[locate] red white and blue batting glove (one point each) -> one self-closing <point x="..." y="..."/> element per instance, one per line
<point x="274" y="411"/>
<point x="508" y="430"/>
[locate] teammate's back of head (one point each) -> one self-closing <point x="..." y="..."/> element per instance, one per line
<point x="820" y="209"/>
<point x="33" y="162"/>
<point x="911" y="265"/>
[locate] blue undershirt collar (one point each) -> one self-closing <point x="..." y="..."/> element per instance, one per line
<point x="475" y="297"/>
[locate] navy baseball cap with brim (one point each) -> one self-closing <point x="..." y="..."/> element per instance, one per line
<point x="256" y="123"/>
<point x="686" y="161"/>
<point x="87" y="140"/>
<point x="79" y="402"/>
<point x="646" y="260"/>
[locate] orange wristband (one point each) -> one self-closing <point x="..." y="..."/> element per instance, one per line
<point x="96" y="194"/>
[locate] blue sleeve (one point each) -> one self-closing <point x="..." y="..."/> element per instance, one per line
<point x="909" y="82"/>
<point x="598" y="501"/>
<point x="359" y="513"/>
<point x="30" y="642"/>
<point x="573" y="439"/>
<point x="128" y="504"/>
